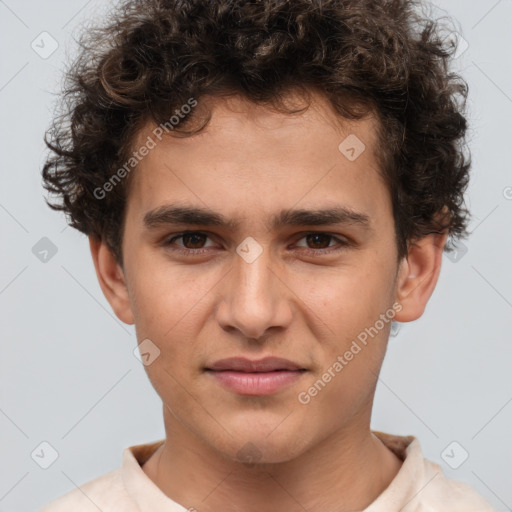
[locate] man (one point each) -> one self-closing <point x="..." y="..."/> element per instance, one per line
<point x="266" y="187"/>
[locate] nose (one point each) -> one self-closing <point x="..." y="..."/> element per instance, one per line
<point x="254" y="298"/>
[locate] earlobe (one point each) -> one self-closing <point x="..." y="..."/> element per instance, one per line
<point x="418" y="275"/>
<point x="111" y="279"/>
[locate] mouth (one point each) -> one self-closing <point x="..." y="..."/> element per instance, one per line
<point x="265" y="365"/>
<point x="255" y="377"/>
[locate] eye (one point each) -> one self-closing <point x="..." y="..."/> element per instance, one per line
<point x="320" y="242"/>
<point x="193" y="243"/>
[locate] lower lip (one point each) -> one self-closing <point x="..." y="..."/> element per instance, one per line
<point x="256" y="384"/>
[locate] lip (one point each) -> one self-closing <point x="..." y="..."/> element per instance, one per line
<point x="255" y="377"/>
<point x="242" y="364"/>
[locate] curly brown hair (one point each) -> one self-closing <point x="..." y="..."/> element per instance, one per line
<point x="379" y="57"/>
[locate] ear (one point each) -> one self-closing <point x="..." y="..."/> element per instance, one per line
<point x="418" y="274"/>
<point x="111" y="278"/>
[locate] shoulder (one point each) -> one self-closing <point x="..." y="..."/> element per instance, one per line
<point x="106" y="493"/>
<point x="442" y="493"/>
<point x="421" y="485"/>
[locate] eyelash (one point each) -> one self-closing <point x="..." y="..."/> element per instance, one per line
<point x="191" y="252"/>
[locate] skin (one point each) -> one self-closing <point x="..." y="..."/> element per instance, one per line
<point x="251" y="162"/>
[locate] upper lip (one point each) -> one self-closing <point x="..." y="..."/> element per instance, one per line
<point x="242" y="364"/>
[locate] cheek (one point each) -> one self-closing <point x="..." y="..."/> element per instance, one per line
<point x="346" y="382"/>
<point x="169" y="311"/>
<point x="163" y="297"/>
<point x="349" y="303"/>
<point x="348" y="298"/>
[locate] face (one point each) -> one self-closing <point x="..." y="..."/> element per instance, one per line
<point x="299" y="287"/>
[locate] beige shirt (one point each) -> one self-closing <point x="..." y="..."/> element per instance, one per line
<point x="419" y="486"/>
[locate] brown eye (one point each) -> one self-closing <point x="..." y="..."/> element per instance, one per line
<point x="193" y="240"/>
<point x="318" y="243"/>
<point x="318" y="240"/>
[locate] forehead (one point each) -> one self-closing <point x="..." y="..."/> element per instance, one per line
<point x="250" y="158"/>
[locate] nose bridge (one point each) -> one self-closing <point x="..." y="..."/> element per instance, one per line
<point x="253" y="303"/>
<point x="252" y="287"/>
<point x="253" y="277"/>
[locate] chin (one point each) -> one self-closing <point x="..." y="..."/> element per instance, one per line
<point x="253" y="446"/>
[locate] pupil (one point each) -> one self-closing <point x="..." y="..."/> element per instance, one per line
<point x="316" y="236"/>
<point x="187" y="236"/>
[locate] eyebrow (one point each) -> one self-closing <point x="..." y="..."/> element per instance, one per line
<point x="178" y="214"/>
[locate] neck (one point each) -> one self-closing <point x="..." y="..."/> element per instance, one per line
<point x="345" y="472"/>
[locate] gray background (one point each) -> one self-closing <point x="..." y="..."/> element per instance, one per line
<point x="68" y="373"/>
